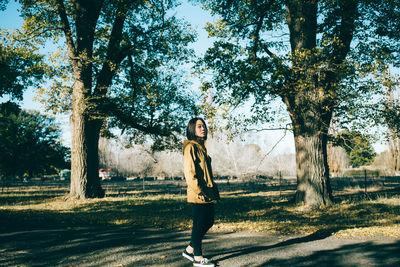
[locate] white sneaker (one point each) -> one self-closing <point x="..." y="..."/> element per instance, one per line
<point x="203" y="263"/>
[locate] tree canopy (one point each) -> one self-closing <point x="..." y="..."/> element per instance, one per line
<point x="20" y="67"/>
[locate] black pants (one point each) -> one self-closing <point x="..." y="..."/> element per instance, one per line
<point x="203" y="219"/>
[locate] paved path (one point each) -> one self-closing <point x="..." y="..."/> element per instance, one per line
<point x="124" y="246"/>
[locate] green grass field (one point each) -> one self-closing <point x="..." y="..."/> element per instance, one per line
<point x="242" y="208"/>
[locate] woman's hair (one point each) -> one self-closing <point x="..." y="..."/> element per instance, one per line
<point x="191" y="129"/>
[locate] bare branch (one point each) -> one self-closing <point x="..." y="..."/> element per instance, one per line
<point x="270" y="129"/>
<point x="273" y="147"/>
<point x="269" y="53"/>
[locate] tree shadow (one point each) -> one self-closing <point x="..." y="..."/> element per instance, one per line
<point x="361" y="254"/>
<point x="132" y="246"/>
<point x="321" y="234"/>
<point x="313" y="250"/>
<point x="92" y="246"/>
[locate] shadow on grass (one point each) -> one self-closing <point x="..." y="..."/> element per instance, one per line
<point x="161" y="213"/>
<point x="25" y="199"/>
<point x="240" y="212"/>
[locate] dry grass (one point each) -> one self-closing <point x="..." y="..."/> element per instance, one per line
<point x="354" y="216"/>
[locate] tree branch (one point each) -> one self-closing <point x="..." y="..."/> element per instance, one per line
<point x="346" y="29"/>
<point x="257" y="41"/>
<point x="269" y="129"/>
<point x="272" y="149"/>
<point x="111" y="108"/>
<point x="67" y="29"/>
<point x="114" y="52"/>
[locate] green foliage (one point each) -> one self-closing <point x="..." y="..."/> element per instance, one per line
<point x="30" y="143"/>
<point x="134" y="52"/>
<point x="20" y="67"/>
<point x="391" y="106"/>
<point x="386" y="24"/>
<point x="259" y="56"/>
<point x="358" y="146"/>
<point x="3" y="4"/>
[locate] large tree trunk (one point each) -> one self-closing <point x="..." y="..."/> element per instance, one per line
<point x="309" y="106"/>
<point x="311" y="115"/>
<point x="85" y="181"/>
<point x="311" y="119"/>
<point x="313" y="186"/>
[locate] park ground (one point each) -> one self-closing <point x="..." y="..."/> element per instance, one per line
<point x="148" y="224"/>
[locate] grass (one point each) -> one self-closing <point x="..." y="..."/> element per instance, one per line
<point x="264" y="211"/>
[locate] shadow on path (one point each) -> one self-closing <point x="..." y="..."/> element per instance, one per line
<point x="361" y="254"/>
<point x="128" y="246"/>
<point x="246" y="251"/>
<point x="91" y="246"/>
<point x="318" y="249"/>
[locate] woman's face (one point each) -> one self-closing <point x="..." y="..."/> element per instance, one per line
<point x="200" y="130"/>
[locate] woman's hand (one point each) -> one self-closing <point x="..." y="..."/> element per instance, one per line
<point x="202" y="196"/>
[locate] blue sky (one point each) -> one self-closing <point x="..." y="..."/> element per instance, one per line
<point x="197" y="17"/>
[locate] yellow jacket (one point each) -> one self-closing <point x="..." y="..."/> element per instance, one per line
<point x="198" y="173"/>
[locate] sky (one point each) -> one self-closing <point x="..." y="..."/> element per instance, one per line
<point x="267" y="140"/>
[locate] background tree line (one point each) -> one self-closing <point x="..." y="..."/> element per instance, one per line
<point x="30" y="144"/>
<point x="230" y="159"/>
<point x="233" y="159"/>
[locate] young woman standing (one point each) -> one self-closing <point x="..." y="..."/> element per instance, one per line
<point x="202" y="192"/>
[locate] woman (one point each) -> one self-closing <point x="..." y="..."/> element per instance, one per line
<point x="202" y="192"/>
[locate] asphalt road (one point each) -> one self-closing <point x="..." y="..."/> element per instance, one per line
<point x="125" y="246"/>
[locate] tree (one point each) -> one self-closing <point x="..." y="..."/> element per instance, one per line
<point x="391" y="116"/>
<point x="30" y="143"/>
<point x="358" y="147"/>
<point x="362" y="152"/>
<point x="312" y="55"/>
<point x="384" y="163"/>
<point x="3" y="4"/>
<point x="104" y="39"/>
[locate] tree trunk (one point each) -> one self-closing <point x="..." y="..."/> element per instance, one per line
<point x="85" y="181"/>
<point x="311" y="117"/>
<point x="313" y="186"/>
<point x="309" y="104"/>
